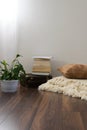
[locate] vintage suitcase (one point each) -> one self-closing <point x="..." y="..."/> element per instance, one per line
<point x="32" y="80"/>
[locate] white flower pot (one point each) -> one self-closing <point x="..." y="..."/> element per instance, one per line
<point x="9" y="85"/>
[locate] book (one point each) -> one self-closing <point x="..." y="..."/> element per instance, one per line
<point x="42" y="57"/>
<point x="39" y="73"/>
<point x="41" y="65"/>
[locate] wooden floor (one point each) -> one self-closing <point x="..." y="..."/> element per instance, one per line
<point x="29" y="109"/>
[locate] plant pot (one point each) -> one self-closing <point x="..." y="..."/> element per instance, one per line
<point x="9" y="85"/>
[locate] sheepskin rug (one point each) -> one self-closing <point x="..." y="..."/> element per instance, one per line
<point x="71" y="87"/>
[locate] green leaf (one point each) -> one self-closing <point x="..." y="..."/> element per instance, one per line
<point x="13" y="71"/>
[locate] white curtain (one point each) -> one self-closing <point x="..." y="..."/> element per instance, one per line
<point x="8" y="29"/>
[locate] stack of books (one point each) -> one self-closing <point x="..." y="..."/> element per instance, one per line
<point x="41" y="65"/>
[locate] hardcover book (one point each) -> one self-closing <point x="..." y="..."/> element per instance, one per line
<point x="41" y="65"/>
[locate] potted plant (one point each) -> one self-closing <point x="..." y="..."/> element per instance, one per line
<point x="11" y="74"/>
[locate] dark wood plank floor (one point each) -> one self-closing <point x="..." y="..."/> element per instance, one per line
<point x="30" y="109"/>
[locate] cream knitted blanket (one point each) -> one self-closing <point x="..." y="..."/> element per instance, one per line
<point x="71" y="87"/>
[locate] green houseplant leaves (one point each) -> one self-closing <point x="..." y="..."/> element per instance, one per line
<point x="13" y="71"/>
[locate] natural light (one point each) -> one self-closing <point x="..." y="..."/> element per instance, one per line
<point x="8" y="28"/>
<point x="8" y="10"/>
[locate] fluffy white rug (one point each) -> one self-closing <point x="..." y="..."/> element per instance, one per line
<point x="71" y="87"/>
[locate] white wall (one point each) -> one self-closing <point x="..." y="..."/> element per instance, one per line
<point x="55" y="28"/>
<point x="8" y="29"/>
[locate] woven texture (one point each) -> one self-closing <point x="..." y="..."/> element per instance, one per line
<point x="71" y="87"/>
